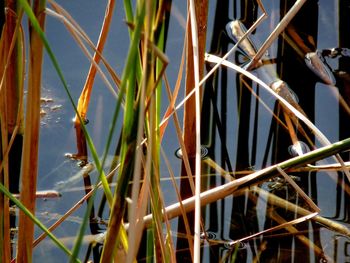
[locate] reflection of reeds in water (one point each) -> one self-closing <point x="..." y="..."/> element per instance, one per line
<point x="135" y="199"/>
<point x="249" y="161"/>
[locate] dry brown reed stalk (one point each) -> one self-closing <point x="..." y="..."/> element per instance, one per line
<point x="83" y="102"/>
<point x="31" y="138"/>
<point x="5" y="252"/>
<point x="10" y="115"/>
<point x="179" y="135"/>
<point x="189" y="107"/>
<point x="186" y="163"/>
<point x="44" y="194"/>
<point x="172" y="98"/>
<point x="198" y="32"/>
<point x="195" y="50"/>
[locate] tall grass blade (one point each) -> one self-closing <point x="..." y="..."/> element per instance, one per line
<point x="128" y="140"/>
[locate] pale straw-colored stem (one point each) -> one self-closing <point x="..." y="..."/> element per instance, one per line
<point x="227" y="189"/>
<point x="276" y="32"/>
<point x="197" y="212"/>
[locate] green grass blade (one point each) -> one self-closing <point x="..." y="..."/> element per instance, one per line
<point x="4" y="190"/>
<point x="128" y="140"/>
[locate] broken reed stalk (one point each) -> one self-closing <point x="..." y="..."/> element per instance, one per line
<point x="227" y="189"/>
<point x="83" y="102"/>
<point x="31" y="137"/>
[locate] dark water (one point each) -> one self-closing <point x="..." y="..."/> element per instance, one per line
<point x="238" y="131"/>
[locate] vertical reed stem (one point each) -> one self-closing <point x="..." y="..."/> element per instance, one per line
<point x="31" y="137"/>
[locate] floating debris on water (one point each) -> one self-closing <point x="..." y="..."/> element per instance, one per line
<point x="46" y="100"/>
<point x="56" y="107"/>
<point x="42" y="112"/>
<point x="44" y="194"/>
<point x="318" y="65"/>
<point x="204" y="152"/>
<point x="298" y="148"/>
<point x="49" y="109"/>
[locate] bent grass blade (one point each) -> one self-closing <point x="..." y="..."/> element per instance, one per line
<point x="320" y="136"/>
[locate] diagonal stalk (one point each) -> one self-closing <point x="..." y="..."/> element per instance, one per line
<point x="227" y="189"/>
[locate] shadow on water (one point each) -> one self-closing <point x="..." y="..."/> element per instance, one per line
<point x="241" y="136"/>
